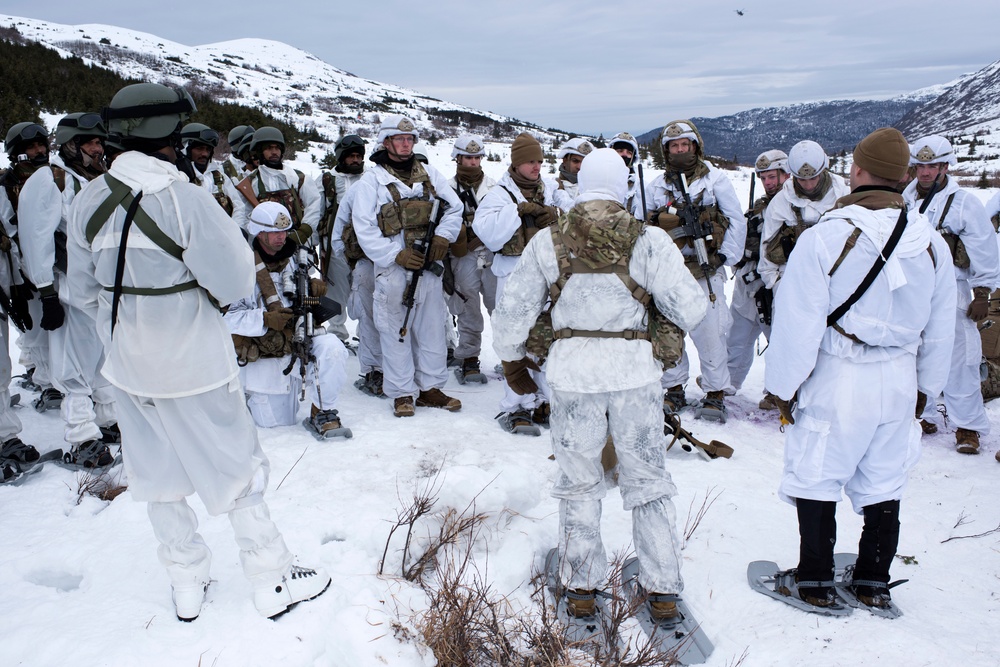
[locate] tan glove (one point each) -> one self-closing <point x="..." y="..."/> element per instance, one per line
<point x="785" y="410"/>
<point x="980" y="306"/>
<point x="460" y="248"/>
<point x="529" y="208"/>
<point x="518" y="378"/>
<point x="408" y="258"/>
<point x="547" y="217"/>
<point x="317" y="287"/>
<point x="667" y="221"/>
<point x="438" y="249"/>
<point x="277" y="319"/>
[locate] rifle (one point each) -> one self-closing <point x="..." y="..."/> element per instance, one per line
<point x="310" y="312"/>
<point x="699" y="231"/>
<point x="423" y="246"/>
<point x="930" y="195"/>
<point x="642" y="194"/>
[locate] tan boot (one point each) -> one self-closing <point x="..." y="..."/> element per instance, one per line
<point x="967" y="442"/>
<point x="581" y="603"/>
<point x="662" y="609"/>
<point x="324" y="420"/>
<point x="403" y="406"/>
<point x="767" y="403"/>
<point x="435" y="398"/>
<point x="929" y="428"/>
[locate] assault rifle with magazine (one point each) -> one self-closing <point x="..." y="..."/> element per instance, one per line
<point x="700" y="231"/>
<point x="423" y="246"/>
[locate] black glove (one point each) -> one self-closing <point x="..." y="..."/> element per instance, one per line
<point x="53" y="314"/>
<point x="19" y="297"/>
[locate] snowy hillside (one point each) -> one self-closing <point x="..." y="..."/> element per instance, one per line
<point x="286" y="81"/>
<point x="82" y="584"/>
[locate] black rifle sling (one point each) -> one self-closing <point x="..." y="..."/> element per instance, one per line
<point x="873" y="272"/>
<point x="120" y="267"/>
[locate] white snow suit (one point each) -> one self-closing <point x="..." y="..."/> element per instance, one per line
<point x="75" y="352"/>
<point x="185" y="426"/>
<point x="605" y="385"/>
<point x="495" y="223"/>
<point x="709" y="337"/>
<point x="966" y="217"/>
<point x="418" y="362"/>
<point x="854" y="426"/>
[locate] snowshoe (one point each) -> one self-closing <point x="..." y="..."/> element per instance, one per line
<point x="712" y="450"/>
<point x="27" y="381"/>
<point x="674" y="400"/>
<point x="371" y="384"/>
<point x="325" y="424"/>
<point x="679" y="632"/>
<point x="15" y="399"/>
<point x="14" y="449"/>
<point x="50" y="399"/>
<point x="518" y="422"/>
<point x="572" y="608"/>
<point x="111" y="434"/>
<point x="871" y="595"/>
<point x="470" y="372"/>
<point x="89" y="455"/>
<point x="766" y="577"/>
<point x="16" y="473"/>
<point x="713" y="407"/>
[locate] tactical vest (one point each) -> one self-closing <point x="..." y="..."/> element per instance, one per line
<point x="755" y="228"/>
<point x="667" y="338"/>
<point x="230" y="169"/>
<point x="121" y="195"/>
<point x="272" y="344"/>
<point x="959" y="255"/>
<point x="470" y="205"/>
<point x="720" y="225"/>
<point x="410" y="216"/>
<point x="780" y="246"/>
<point x="514" y="246"/>
<point x="288" y="197"/>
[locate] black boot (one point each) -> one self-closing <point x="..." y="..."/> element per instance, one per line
<point x="876" y="549"/>
<point x="817" y="535"/>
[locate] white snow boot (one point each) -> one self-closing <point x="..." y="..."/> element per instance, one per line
<point x="188" y="601"/>
<point x="298" y="584"/>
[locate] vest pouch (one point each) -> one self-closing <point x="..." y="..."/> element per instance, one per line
<point x="666" y="337"/>
<point x="958" y="254"/>
<point x="779" y="248"/>
<point x="540" y="337"/>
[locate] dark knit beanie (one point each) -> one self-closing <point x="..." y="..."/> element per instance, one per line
<point x="884" y="153"/>
<point x="527" y="149"/>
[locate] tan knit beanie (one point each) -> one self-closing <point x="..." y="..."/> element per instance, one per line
<point x="527" y="149"/>
<point x="884" y="153"/>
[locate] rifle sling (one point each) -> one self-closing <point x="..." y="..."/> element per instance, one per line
<point x="873" y="272"/>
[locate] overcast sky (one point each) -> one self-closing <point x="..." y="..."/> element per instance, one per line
<point x="594" y="67"/>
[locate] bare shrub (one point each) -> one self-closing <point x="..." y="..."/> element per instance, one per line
<point x="102" y="483"/>
<point x="693" y="521"/>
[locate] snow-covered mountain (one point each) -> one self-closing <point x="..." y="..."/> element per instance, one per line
<point x="971" y="101"/>
<point x="287" y="82"/>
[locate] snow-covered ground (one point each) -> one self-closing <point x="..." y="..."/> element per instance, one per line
<point x="80" y="582"/>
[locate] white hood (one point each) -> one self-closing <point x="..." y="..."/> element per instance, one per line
<point x="142" y="172"/>
<point x="603" y="175"/>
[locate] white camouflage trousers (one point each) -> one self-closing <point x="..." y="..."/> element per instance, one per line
<point x="359" y="307"/>
<point x="709" y="338"/>
<point x="963" y="396"/>
<point x="580" y="424"/>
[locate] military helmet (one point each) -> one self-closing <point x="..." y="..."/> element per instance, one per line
<point x="80" y="124"/>
<point x="198" y="133"/>
<point x="148" y="111"/>
<point x="347" y="144"/>
<point x="267" y="135"/>
<point x="807" y="160"/>
<point x="23" y="134"/>
<point x="239" y="133"/>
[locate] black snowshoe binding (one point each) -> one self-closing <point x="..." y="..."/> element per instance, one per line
<point x="674" y="400"/>
<point x="111" y="434"/>
<point x="863" y="593"/>
<point x="14" y="449"/>
<point x="27" y="381"/>
<point x="518" y="422"/>
<point x="325" y="424"/>
<point x="371" y="384"/>
<point x="50" y="399"/>
<point x="713" y="407"/>
<point x="90" y="455"/>
<point x="470" y="371"/>
<point x="816" y="597"/>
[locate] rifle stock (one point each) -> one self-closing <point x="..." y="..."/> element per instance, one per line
<point x="700" y="233"/>
<point x="423" y="246"/>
